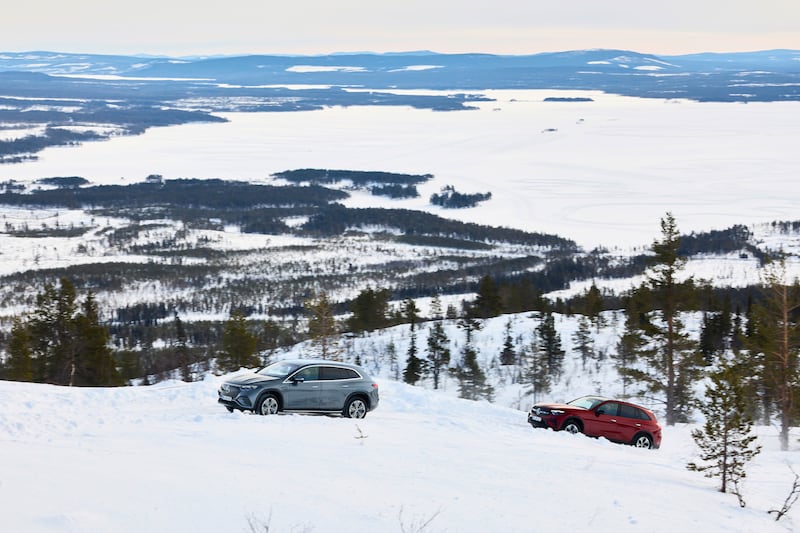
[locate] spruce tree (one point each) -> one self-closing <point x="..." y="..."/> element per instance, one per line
<point x="487" y="302"/>
<point x="182" y="355"/>
<point x="508" y="356"/>
<point x="95" y="364"/>
<point x="19" y="366"/>
<point x="411" y="313"/>
<point x="593" y="306"/>
<point x="583" y="341"/>
<point x="438" y="351"/>
<point x="369" y="310"/>
<point x="537" y="376"/>
<point x="68" y="345"/>
<point x="238" y="345"/>
<point x="413" y="371"/>
<point x="633" y="343"/>
<point x="550" y="344"/>
<point x="436" y="308"/>
<point x="726" y="439"/>
<point x="472" y="383"/>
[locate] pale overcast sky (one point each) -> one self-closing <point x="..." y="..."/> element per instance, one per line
<point x="200" y="27"/>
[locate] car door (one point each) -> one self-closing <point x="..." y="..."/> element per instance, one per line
<point x="603" y="421"/>
<point x="337" y="384"/>
<point x="301" y="390"/>
<point x="630" y="421"/>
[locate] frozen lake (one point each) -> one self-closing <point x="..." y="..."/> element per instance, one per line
<point x="599" y="172"/>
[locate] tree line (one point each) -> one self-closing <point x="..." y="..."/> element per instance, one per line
<point x="62" y="341"/>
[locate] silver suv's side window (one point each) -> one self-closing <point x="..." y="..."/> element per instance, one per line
<point x="328" y="373"/>
<point x="310" y="373"/>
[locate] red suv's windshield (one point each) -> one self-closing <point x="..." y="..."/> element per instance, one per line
<point x="587" y="402"/>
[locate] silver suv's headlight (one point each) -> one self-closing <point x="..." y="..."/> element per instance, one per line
<point x="248" y="387"/>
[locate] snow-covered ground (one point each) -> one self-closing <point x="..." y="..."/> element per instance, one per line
<point x="167" y="458"/>
<point x="600" y="172"/>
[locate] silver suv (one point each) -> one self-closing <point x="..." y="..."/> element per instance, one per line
<point x="302" y="385"/>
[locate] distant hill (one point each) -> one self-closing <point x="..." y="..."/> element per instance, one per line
<point x="767" y="75"/>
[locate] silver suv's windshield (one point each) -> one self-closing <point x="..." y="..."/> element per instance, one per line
<point x="587" y="402"/>
<point x="279" y="369"/>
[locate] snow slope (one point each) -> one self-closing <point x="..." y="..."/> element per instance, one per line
<point x="167" y="458"/>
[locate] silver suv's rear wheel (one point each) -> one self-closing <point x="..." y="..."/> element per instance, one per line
<point x="268" y="405"/>
<point x="355" y="408"/>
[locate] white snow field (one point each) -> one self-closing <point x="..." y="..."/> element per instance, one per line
<point x="167" y="458"/>
<point x="600" y="172"/>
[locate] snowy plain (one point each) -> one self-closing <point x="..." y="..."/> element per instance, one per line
<point x="601" y="172"/>
<point x="168" y="458"/>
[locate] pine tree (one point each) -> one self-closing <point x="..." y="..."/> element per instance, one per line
<point x="42" y="328"/>
<point x="369" y="310"/>
<point x="413" y="371"/>
<point x="63" y="350"/>
<point x="182" y="349"/>
<point x="508" y="356"/>
<point x="94" y="363"/>
<point x="322" y="328"/>
<point x="68" y="346"/>
<point x="593" y="306"/>
<point x="20" y="360"/>
<point x="537" y="375"/>
<point x="631" y="346"/>
<point x="436" y="308"/>
<point x="469" y="325"/>
<point x="584" y="343"/>
<point x="726" y="439"/>
<point x="394" y="367"/>
<point x="550" y="344"/>
<point x="438" y="351"/>
<point x="774" y="345"/>
<point x="238" y="345"/>
<point x="472" y="383"/>
<point x="487" y="302"/>
<point x="271" y="337"/>
<point x="674" y="364"/>
<point x="411" y="313"/>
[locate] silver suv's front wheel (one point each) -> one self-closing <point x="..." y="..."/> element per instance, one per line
<point x="355" y="408"/>
<point x="268" y="405"/>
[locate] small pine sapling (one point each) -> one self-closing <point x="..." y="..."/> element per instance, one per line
<point x="726" y="439"/>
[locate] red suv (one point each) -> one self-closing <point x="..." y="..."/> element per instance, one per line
<point x="595" y="416"/>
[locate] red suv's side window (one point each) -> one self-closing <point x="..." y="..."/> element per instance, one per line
<point x="610" y="408"/>
<point x="629" y="411"/>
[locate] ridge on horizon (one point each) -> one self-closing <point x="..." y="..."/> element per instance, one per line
<point x="400" y="53"/>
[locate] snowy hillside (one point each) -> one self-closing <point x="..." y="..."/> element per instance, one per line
<point x="168" y="458"/>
